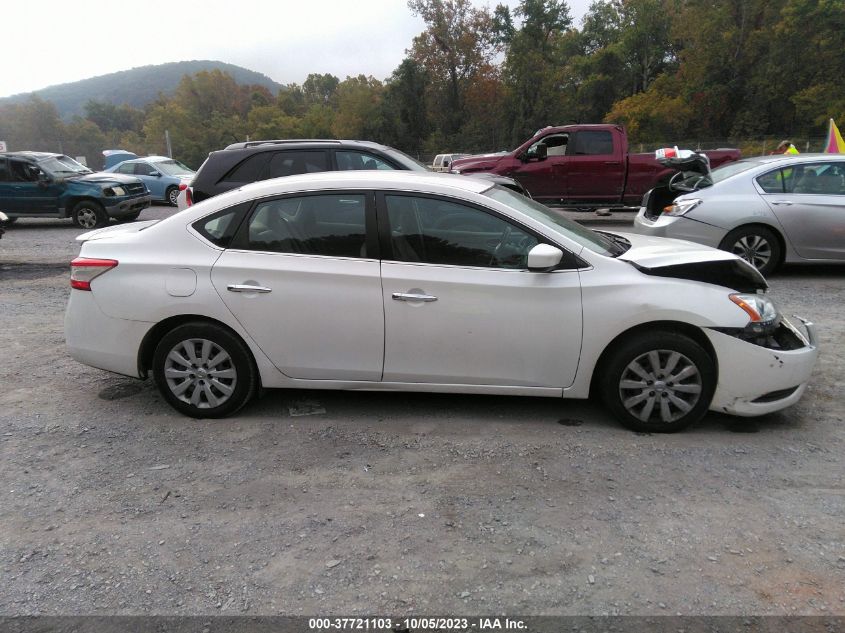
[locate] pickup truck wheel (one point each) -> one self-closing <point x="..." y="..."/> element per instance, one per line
<point x="89" y="215"/>
<point x="757" y="245"/>
<point x="172" y="195"/>
<point x="658" y="382"/>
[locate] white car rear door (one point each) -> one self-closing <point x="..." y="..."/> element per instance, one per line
<point x="299" y="280"/>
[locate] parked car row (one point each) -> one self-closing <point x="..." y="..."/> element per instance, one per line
<point x="333" y="265"/>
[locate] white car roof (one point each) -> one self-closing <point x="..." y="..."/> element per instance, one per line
<point x="421" y="182"/>
<point x="359" y="179"/>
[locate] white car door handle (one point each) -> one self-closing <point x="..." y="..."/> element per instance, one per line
<point x="404" y="296"/>
<point x="247" y="288"/>
<point x="788" y="203"/>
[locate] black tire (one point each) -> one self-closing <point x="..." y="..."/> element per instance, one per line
<point x="194" y="386"/>
<point x="89" y="214"/>
<point x="757" y="245"/>
<point x="667" y="393"/>
<point x="171" y="196"/>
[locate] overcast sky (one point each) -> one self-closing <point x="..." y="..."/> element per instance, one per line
<point x="58" y="41"/>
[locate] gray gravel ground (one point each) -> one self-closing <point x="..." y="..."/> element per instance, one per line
<point x="330" y="502"/>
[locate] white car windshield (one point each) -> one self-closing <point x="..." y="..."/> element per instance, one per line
<point x="596" y="242"/>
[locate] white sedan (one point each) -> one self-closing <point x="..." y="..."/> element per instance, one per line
<point x="427" y="282"/>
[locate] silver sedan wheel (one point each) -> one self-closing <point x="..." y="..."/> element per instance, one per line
<point x="755" y="249"/>
<point x="200" y="373"/>
<point x="661" y="385"/>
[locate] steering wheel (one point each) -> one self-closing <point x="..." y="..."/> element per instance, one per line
<point x="503" y="238"/>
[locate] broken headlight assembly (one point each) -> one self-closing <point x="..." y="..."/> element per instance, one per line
<point x="766" y="328"/>
<point x="760" y="309"/>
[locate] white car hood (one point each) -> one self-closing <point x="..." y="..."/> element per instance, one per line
<point x="654" y="252"/>
<point x="113" y="231"/>
<point x="664" y="257"/>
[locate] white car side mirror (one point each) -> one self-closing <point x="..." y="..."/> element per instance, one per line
<point x="544" y="257"/>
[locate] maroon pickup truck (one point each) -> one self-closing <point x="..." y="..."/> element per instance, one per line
<point x="581" y="165"/>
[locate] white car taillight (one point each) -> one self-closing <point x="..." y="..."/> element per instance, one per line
<point x="83" y="270"/>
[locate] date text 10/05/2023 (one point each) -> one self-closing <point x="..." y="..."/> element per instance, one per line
<point x="415" y="624"/>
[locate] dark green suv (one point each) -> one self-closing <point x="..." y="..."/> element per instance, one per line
<point x="45" y="185"/>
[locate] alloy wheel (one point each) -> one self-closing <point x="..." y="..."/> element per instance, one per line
<point x="755" y="249"/>
<point x="662" y="385"/>
<point x="87" y="218"/>
<point x="200" y="373"/>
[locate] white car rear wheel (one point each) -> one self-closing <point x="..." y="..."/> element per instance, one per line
<point x="204" y="371"/>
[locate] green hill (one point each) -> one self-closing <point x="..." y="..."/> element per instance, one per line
<point x="136" y="87"/>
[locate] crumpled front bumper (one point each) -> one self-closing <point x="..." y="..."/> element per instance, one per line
<point x="755" y="380"/>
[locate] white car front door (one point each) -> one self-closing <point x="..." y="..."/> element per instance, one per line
<point x="299" y="281"/>
<point x="461" y="307"/>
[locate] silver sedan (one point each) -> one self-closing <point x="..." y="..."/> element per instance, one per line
<point x="768" y="210"/>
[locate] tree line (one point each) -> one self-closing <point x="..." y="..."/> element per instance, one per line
<point x="480" y="79"/>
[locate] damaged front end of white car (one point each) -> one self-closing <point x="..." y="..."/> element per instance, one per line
<point x="764" y="365"/>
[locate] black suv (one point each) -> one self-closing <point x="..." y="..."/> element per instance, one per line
<point x="243" y="163"/>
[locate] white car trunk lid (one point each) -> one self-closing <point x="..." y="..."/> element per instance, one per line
<point x="113" y="231"/>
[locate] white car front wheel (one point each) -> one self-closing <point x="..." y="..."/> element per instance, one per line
<point x="658" y="382"/>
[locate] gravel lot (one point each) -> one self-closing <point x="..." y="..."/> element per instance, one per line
<point x="342" y="503"/>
